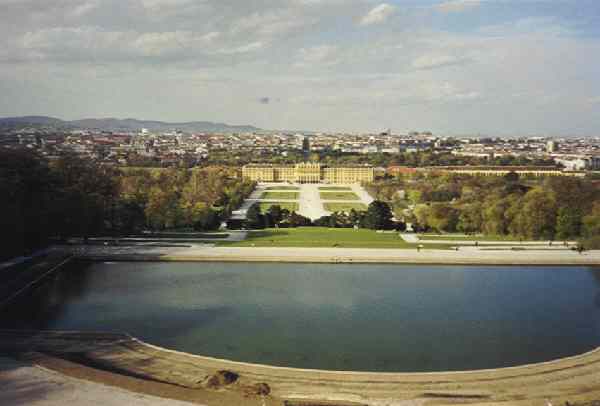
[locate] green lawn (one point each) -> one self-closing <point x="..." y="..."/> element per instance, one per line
<point x="291" y="206"/>
<point x="280" y="195"/>
<point x="322" y="237"/>
<point x="338" y="196"/>
<point x="283" y="188"/>
<point x="344" y="207"/>
<point x="335" y="188"/>
<point x="462" y="237"/>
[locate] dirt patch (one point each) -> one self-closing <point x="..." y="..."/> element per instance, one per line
<point x="221" y="379"/>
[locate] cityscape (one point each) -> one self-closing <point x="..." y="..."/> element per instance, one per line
<point x="143" y="147"/>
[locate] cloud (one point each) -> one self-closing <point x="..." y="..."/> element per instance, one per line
<point x="264" y="100"/>
<point x="270" y="23"/>
<point x="321" y="55"/>
<point x="444" y="92"/>
<point x="160" y="43"/>
<point x="594" y="100"/>
<point x="160" y="5"/>
<point x="457" y="6"/>
<point x="432" y="61"/>
<point x="378" y="14"/>
<point x="83" y="9"/>
<point x="242" y="49"/>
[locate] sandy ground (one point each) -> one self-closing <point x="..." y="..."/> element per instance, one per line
<point x="26" y="384"/>
<point x="575" y="379"/>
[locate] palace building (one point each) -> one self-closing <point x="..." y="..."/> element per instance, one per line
<point x="308" y="173"/>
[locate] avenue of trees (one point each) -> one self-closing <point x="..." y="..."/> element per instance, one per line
<point x="71" y="197"/>
<point x="553" y="208"/>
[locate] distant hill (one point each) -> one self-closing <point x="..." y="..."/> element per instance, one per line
<point x="34" y="121"/>
<point x="129" y="124"/>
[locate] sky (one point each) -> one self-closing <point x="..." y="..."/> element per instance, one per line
<point x="454" y="67"/>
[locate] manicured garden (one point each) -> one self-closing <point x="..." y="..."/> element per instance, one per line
<point x="344" y="207"/>
<point x="335" y="188"/>
<point x="280" y="195"/>
<point x="338" y="196"/>
<point x="290" y="206"/>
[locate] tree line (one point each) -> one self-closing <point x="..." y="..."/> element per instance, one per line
<point x="330" y="157"/>
<point x="378" y="216"/>
<point x="553" y="208"/>
<point x="67" y="197"/>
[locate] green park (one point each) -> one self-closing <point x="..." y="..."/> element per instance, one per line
<point x="344" y="207"/>
<point x="280" y="196"/>
<point x="340" y="195"/>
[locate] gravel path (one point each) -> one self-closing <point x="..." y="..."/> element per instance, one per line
<point x="464" y="256"/>
<point x="310" y="202"/>
<point x="24" y="384"/>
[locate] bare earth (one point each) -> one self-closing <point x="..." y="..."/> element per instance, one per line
<point x="182" y="376"/>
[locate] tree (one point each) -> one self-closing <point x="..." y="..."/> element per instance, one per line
<point x="355" y="217"/>
<point x="443" y="217"/>
<point x="254" y="218"/>
<point x="511" y="177"/>
<point x="275" y="213"/>
<point x="591" y="222"/>
<point x="496" y="214"/>
<point x="420" y="216"/>
<point x="207" y="220"/>
<point x="470" y="219"/>
<point x="537" y="217"/>
<point x="379" y="215"/>
<point x="296" y="220"/>
<point x="568" y="223"/>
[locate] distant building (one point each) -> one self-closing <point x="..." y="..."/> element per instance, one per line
<point x="534" y="171"/>
<point x="401" y="170"/>
<point x="551" y="146"/>
<point x="578" y="163"/>
<point x="308" y="173"/>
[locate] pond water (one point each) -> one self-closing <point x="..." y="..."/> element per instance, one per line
<point x="339" y="317"/>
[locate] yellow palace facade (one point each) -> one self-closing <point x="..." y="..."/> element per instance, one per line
<point x="308" y="173"/>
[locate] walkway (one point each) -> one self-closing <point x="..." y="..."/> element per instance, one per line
<point x="31" y="385"/>
<point x="464" y="256"/>
<point x="414" y="238"/>
<point x="310" y="202"/>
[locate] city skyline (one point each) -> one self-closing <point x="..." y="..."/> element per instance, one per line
<point x="452" y="67"/>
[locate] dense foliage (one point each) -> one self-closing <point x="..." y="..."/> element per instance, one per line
<point x="411" y="159"/>
<point x="71" y="197"/>
<point x="378" y="216"/>
<point x="549" y="208"/>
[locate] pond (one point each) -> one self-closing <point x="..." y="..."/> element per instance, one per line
<point x="402" y="318"/>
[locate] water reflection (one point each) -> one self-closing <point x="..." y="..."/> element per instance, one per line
<point x="361" y="317"/>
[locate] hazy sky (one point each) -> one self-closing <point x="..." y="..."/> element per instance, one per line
<point x="453" y="67"/>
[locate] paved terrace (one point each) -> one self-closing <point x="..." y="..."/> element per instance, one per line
<point x="465" y="256"/>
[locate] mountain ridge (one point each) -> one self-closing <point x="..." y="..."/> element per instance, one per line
<point x="127" y="124"/>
